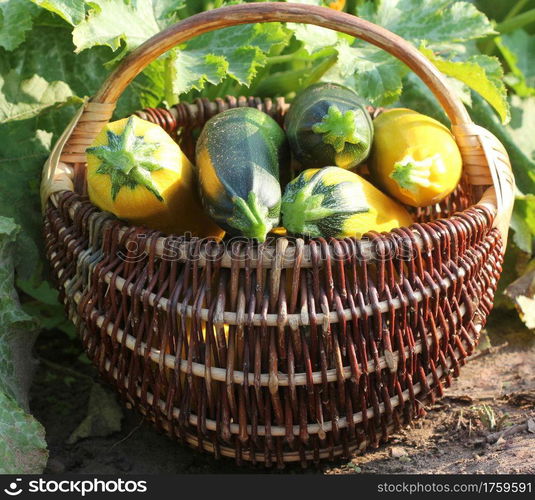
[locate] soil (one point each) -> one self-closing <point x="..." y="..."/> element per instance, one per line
<point x="484" y="424"/>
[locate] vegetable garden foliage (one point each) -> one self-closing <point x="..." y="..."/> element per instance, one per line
<point x="53" y="53"/>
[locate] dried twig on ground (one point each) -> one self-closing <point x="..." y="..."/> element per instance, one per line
<point x="510" y="431"/>
<point x="488" y="350"/>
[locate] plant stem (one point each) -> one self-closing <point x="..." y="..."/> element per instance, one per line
<point x="321" y="69"/>
<point x="516" y="22"/>
<point x="285" y="82"/>
<point x="285" y="58"/>
<point x="511" y="22"/>
<point x="170" y="97"/>
<point x="281" y="83"/>
<point x="516" y="9"/>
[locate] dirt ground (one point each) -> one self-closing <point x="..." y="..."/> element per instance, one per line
<point x="484" y="424"/>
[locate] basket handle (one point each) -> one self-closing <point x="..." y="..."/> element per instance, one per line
<point x="224" y="17"/>
<point x="485" y="160"/>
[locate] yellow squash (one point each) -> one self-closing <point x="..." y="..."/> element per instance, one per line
<point x="136" y="171"/>
<point x="332" y="201"/>
<point x="414" y="158"/>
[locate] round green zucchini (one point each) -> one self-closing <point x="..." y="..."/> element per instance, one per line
<point x="328" y="124"/>
<point x="238" y="155"/>
<point x="335" y="202"/>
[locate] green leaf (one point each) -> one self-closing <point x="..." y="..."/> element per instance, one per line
<point x="22" y="444"/>
<point x="416" y="95"/>
<point x="42" y="304"/>
<point x="523" y="166"/>
<point x="104" y="415"/>
<point x="481" y="73"/>
<point x="112" y="22"/>
<point x="72" y="11"/>
<point x="522" y="124"/>
<point x="314" y="38"/>
<point x="518" y="50"/>
<point x="238" y="52"/>
<point x="16" y="17"/>
<point x="515" y="264"/>
<point x="22" y="440"/>
<point x="375" y="75"/>
<point x="435" y="21"/>
<point x="23" y="151"/>
<point x="522" y="293"/>
<point x="523" y="222"/>
<point x="443" y="24"/>
<point x="21" y="99"/>
<point x="84" y="73"/>
<point x="13" y="320"/>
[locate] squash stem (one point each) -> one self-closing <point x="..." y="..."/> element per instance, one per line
<point x="413" y="175"/>
<point x="338" y="128"/>
<point x="303" y="210"/>
<point x="250" y="218"/>
<point x="128" y="160"/>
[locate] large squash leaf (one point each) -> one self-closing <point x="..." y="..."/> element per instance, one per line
<point x="481" y="73"/>
<point x="16" y="17"/>
<point x="23" y="150"/>
<point x="22" y="443"/>
<point x="237" y="52"/>
<point x="518" y="50"/>
<point x="442" y="24"/>
<point x="26" y="98"/>
<point x="72" y="11"/>
<point x="111" y="22"/>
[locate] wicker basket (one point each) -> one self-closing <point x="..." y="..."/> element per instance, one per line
<point x="288" y="351"/>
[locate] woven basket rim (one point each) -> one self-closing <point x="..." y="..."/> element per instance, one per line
<point x="278" y="250"/>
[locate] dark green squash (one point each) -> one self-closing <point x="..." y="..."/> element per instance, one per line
<point x="238" y="156"/>
<point x="328" y="125"/>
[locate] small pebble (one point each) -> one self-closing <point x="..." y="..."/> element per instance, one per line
<point x="398" y="452"/>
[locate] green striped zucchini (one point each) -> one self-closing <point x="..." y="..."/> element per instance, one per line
<point x="335" y="202"/>
<point x="238" y="156"/>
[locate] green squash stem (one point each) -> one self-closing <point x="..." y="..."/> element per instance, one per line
<point x="411" y="174"/>
<point x="304" y="209"/>
<point x="250" y="217"/>
<point x="338" y="129"/>
<point x="128" y="160"/>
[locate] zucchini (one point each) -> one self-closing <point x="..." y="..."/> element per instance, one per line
<point x="328" y="124"/>
<point x="414" y="158"/>
<point x="335" y="202"/>
<point x="238" y="155"/>
<point x="136" y="171"/>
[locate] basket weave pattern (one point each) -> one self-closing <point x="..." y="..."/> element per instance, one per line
<point x="293" y="350"/>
